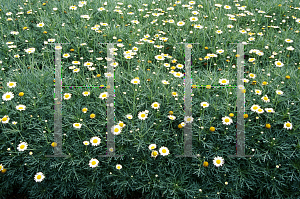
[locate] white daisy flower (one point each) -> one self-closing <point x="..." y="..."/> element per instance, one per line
<point x="129" y="117"/>
<point x="7" y="96"/>
<point x="180" y="23"/>
<point x="40" y="25"/>
<point x="1" y="167"/>
<point x="22" y="146"/>
<point x="164" y="151"/>
<point x="135" y="81"/>
<point x="154" y="154"/>
<point x="86" y="93"/>
<point x="204" y="104"/>
<point x="152" y="146"/>
<point x="72" y="8"/>
<point x="86" y="143"/>
<point x="269" y="110"/>
<point x="155" y="105"/>
<point x="142" y="115"/>
<point x="188" y="119"/>
<point x="39" y="177"/>
<point x="288" y="41"/>
<point x="93" y="163"/>
<point x="227" y="120"/>
<point x="265" y="98"/>
<point x="279" y="64"/>
<point x="227" y="7"/>
<point x="66" y="55"/>
<point x="251" y="59"/>
<point x="257" y="92"/>
<point x="77" y="125"/>
<point x="251" y="75"/>
<point x="288" y="125"/>
<point x="116" y="129"/>
<point x="165" y="82"/>
<point x="218" y="161"/>
<point x="104" y="95"/>
<point x="220" y="51"/>
<point x="118" y="166"/>
<point x="180" y="66"/>
<point x="255" y="107"/>
<point x="279" y="92"/>
<point x="198" y="26"/>
<point x="67" y="96"/>
<point x="290" y="48"/>
<point x="223" y="81"/>
<point x="121" y="124"/>
<point x="171" y="117"/>
<point x="159" y="57"/>
<point x="178" y="74"/>
<point x="219" y="31"/>
<point x="193" y="18"/>
<point x="108" y="75"/>
<point x="174" y="94"/>
<point x="20" y="107"/>
<point x="95" y="141"/>
<point x="5" y="119"/>
<point x="12" y="84"/>
<point x="259" y="111"/>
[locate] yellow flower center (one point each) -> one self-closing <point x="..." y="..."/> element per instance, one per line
<point x="143" y="115"/>
<point x="265" y="98"/>
<point x="116" y="130"/>
<point x="104" y="95"/>
<point x="67" y="96"/>
<point x="39" y="177"/>
<point x="95" y="141"/>
<point x="121" y="124"/>
<point x="226" y="120"/>
<point x="119" y="167"/>
<point x="255" y="107"/>
<point x="4" y="119"/>
<point x="155" y="105"/>
<point x="288" y="124"/>
<point x="218" y="161"/>
<point x="22" y="146"/>
<point x="164" y="151"/>
<point x="223" y="81"/>
<point x="7" y="96"/>
<point x="154" y="153"/>
<point x="94" y="162"/>
<point x="278" y="63"/>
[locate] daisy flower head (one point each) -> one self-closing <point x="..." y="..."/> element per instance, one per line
<point x="164" y="151"/>
<point x="22" y="146"/>
<point x="279" y="64"/>
<point x="142" y="115"/>
<point x="227" y="7"/>
<point x="171" y="117"/>
<point x="11" y="84"/>
<point x="218" y="161"/>
<point x="265" y="98"/>
<point x="223" y="81"/>
<point x="269" y="110"/>
<point x="174" y="94"/>
<point x="193" y="18"/>
<point x="251" y="75"/>
<point x="227" y="120"/>
<point x="288" y="125"/>
<point x="129" y="116"/>
<point x="188" y="119"/>
<point x="95" y="141"/>
<point x="198" y="26"/>
<point x="5" y="119"/>
<point x="154" y="154"/>
<point x="255" y="107"/>
<point x="165" y="82"/>
<point x="1" y="167"/>
<point x="152" y="146"/>
<point x="7" y="96"/>
<point x="220" y="51"/>
<point x="260" y="110"/>
<point x="77" y="125"/>
<point x="108" y="75"/>
<point x="257" y="92"/>
<point x="86" y="93"/>
<point x="103" y="95"/>
<point x="288" y="41"/>
<point x="180" y="23"/>
<point x="39" y="177"/>
<point x="178" y="74"/>
<point x="204" y="104"/>
<point x="135" y="81"/>
<point x="86" y="143"/>
<point x="67" y="96"/>
<point x="155" y="105"/>
<point x="121" y="124"/>
<point x="93" y="162"/>
<point x="219" y="31"/>
<point x="40" y="25"/>
<point x="116" y="129"/>
<point x="251" y="59"/>
<point x="159" y="57"/>
<point x="279" y="92"/>
<point x="118" y="166"/>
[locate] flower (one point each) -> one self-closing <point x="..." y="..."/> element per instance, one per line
<point x="152" y="146"/>
<point x="269" y="110"/>
<point x="188" y="119"/>
<point x="1" y="167"/>
<point x="204" y="104"/>
<point x="218" y="161"/>
<point x="86" y="143"/>
<point x="93" y="163"/>
<point x="77" y="125"/>
<point x="103" y="95"/>
<point x="142" y="115"/>
<point x="86" y="93"/>
<point x="67" y="96"/>
<point x="227" y="7"/>
<point x="257" y="92"/>
<point x="180" y="23"/>
<point x="22" y="146"/>
<point x="171" y="117"/>
<point x="39" y="177"/>
<point x="255" y="107"/>
<point x="227" y="120"/>
<point x="288" y="125"/>
<point x="279" y="92"/>
<point x="116" y="129"/>
<point x="5" y="119"/>
<point x="40" y="25"/>
<point x="223" y="81"/>
<point x="159" y="57"/>
<point x="95" y="141"/>
<point x="155" y="105"/>
<point x="219" y="31"/>
<point x="212" y="129"/>
<point x="7" y="96"/>
<point x="154" y="154"/>
<point x="178" y="74"/>
<point x="205" y="164"/>
<point x="279" y="64"/>
<point x="164" y="151"/>
<point x="121" y="124"/>
<point x="288" y="41"/>
<point x="118" y="166"/>
<point x="129" y="117"/>
<point x="11" y="84"/>
<point x="135" y="81"/>
<point x="265" y="98"/>
<point x="251" y="75"/>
